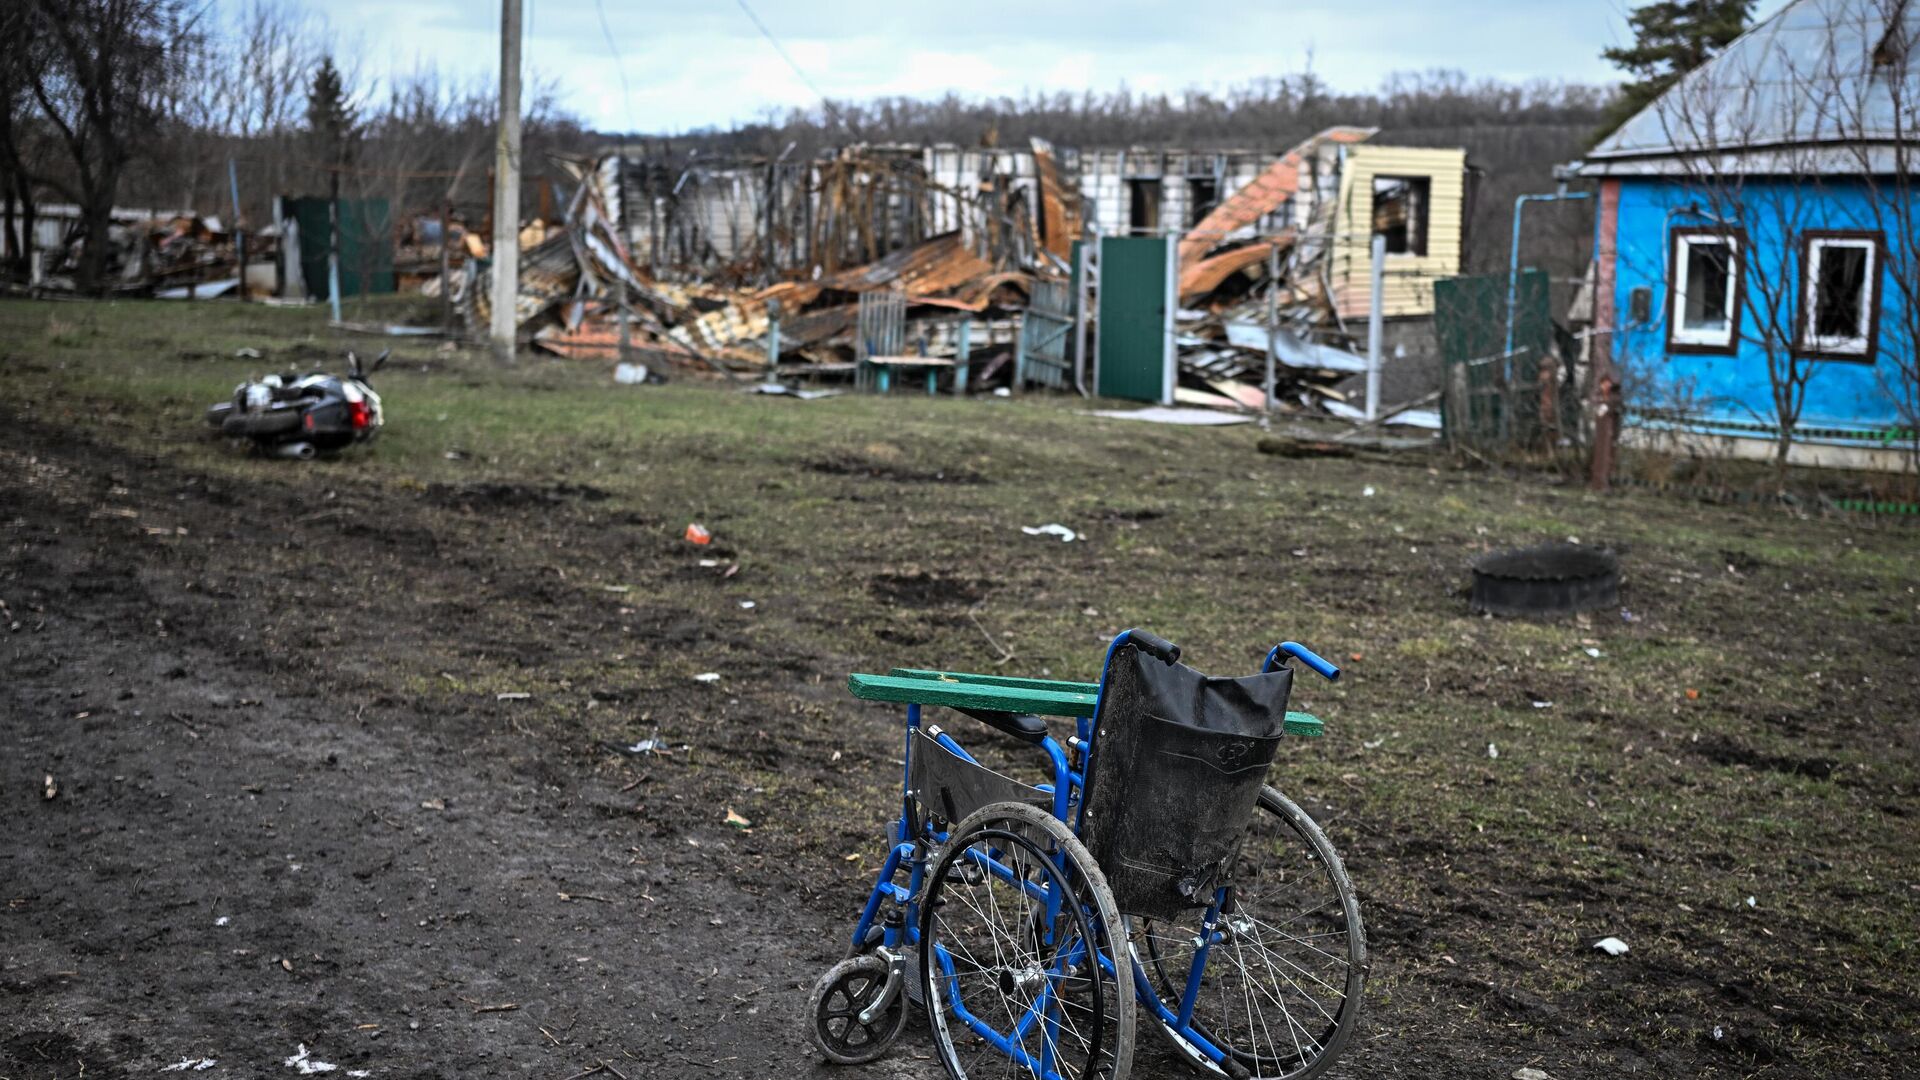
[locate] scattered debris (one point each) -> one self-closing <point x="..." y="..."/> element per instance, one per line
<point x="434" y="804"/>
<point x="48" y="788"/>
<point x="1493" y="751"/>
<point x="774" y="389"/>
<point x="1065" y="534"/>
<point x="746" y="605"/>
<point x="1753" y="902"/>
<point x="1288" y="446"/>
<point x="707" y="677"/>
<point x="186" y="1064"/>
<point x="735" y="819"/>
<point x="1612" y="946"/>
<point x="1528" y="1073"/>
<point x="698" y="534"/>
<point x="222" y="921"/>
<point x="1162" y="414"/>
<point x="630" y="374"/>
<point x="1367" y="492"/>
<point x="1593" y="652"/>
<point x="303" y="1063"/>
<point x="512" y="695"/>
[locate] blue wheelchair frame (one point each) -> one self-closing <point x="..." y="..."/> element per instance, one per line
<point x="1066" y="788"/>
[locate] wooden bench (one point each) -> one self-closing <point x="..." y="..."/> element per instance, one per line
<point x="883" y="368"/>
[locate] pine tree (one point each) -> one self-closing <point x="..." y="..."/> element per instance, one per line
<point x="1671" y="38"/>
<point x="330" y="116"/>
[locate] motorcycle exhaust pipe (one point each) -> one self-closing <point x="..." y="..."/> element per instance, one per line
<point x="299" y="451"/>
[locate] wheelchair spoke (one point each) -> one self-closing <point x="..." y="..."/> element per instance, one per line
<point x="1015" y="987"/>
<point x="1278" y="987"/>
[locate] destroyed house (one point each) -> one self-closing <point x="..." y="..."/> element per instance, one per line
<point x="1754" y="227"/>
<point x="882" y="259"/>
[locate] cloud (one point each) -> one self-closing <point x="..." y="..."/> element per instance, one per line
<point x="700" y="65"/>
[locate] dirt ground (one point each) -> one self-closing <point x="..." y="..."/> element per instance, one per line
<point x="291" y="810"/>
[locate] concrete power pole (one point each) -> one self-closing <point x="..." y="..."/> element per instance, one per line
<point x="506" y="188"/>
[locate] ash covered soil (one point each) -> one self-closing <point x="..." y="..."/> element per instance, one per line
<point x="299" y="804"/>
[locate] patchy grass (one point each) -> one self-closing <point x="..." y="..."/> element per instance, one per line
<point x="1747" y="728"/>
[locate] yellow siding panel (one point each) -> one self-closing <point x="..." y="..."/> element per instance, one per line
<point x="1408" y="287"/>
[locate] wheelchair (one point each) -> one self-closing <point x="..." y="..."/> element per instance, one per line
<point x="1152" y="878"/>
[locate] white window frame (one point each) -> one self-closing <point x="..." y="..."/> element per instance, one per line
<point x="1699" y="337"/>
<point x="1860" y="343"/>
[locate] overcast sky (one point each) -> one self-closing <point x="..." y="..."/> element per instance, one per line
<point x="691" y="65"/>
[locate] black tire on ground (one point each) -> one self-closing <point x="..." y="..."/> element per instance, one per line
<point x="261" y="425"/>
<point x="218" y="413"/>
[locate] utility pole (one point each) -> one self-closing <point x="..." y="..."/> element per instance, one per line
<point x="1376" y="320"/>
<point x="506" y="188"/>
<point x="239" y="234"/>
<point x="1273" y="334"/>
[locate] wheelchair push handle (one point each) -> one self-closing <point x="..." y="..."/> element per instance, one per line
<point x="1304" y="655"/>
<point x="1153" y="645"/>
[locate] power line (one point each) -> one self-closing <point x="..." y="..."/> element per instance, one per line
<point x="825" y="102"/>
<point x="619" y="66"/>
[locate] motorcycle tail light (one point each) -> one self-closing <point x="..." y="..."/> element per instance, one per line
<point x="307" y="420"/>
<point x="359" y="415"/>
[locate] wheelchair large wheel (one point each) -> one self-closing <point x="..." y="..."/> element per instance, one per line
<point x="1280" y="992"/>
<point x="1016" y="920"/>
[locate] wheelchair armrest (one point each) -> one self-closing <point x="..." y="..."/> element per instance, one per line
<point x="1030" y="729"/>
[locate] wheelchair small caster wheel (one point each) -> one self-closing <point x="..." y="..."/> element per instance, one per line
<point x="846" y="990"/>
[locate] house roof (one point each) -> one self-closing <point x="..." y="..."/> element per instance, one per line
<point x="1824" y="86"/>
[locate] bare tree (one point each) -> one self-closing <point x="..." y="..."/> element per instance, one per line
<point x="110" y="66"/>
<point x="19" y="152"/>
<point x="1777" y="144"/>
<point x="1887" y="166"/>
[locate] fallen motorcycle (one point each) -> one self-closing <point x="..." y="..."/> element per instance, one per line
<point x="304" y="416"/>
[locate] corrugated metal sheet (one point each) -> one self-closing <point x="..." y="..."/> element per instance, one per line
<point x="1819" y="72"/>
<point x="1263" y="195"/>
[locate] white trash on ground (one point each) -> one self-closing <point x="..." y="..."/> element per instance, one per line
<point x="1612" y="946"/>
<point x="1065" y="534"/>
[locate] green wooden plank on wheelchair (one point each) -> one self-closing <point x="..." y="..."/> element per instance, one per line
<point x="1056" y="685"/>
<point x="972" y="695"/>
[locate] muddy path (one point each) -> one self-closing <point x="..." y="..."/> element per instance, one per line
<point x="256" y="845"/>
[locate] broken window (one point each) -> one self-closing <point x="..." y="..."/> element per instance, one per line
<point x="1143" y="210"/>
<point x="1400" y="212"/>
<point x="1706" y="285"/>
<point x="1837" y="296"/>
<point x="1203" y="194"/>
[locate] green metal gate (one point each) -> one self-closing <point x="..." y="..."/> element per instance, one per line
<point x="366" y="245"/>
<point x="1135" y="356"/>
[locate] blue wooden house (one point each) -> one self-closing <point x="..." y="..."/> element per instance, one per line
<point x="1758" y="242"/>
